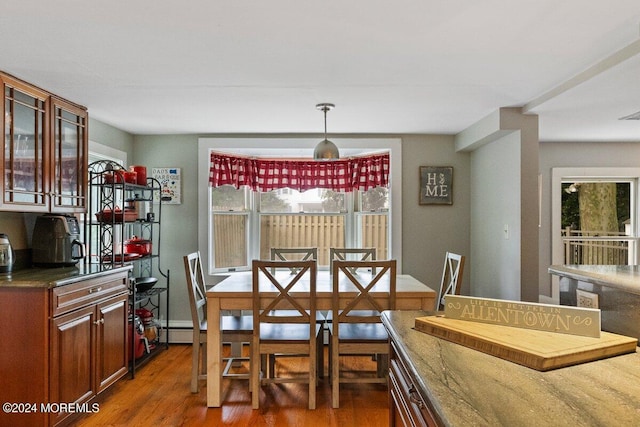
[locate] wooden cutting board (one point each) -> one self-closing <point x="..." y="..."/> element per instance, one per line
<point x="540" y="350"/>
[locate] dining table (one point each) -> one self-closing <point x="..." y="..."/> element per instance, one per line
<point x="234" y="293"/>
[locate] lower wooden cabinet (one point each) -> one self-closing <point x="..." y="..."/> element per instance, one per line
<point x="406" y="406"/>
<point x="112" y="341"/>
<point x="97" y="336"/>
<point x="68" y="344"/>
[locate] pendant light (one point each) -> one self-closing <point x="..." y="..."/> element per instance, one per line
<point x="325" y="150"/>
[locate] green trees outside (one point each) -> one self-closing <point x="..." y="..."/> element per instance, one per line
<point x="596" y="209"/>
<point x="600" y="200"/>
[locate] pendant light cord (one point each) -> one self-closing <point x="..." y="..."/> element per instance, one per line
<point x="325" y="122"/>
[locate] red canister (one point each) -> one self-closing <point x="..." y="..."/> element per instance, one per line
<point x="141" y="172"/>
<point x="116" y="176"/>
<point x="131" y="177"/>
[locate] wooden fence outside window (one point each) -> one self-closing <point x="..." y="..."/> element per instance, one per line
<point x="293" y="230"/>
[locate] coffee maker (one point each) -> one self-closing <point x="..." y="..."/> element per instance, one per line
<point x="56" y="241"/>
<point x="6" y="254"/>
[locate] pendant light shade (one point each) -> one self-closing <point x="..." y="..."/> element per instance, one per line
<point x="325" y="150"/>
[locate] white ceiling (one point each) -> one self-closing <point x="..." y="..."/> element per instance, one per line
<point x="402" y="66"/>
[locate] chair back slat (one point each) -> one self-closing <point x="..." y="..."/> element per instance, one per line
<point x="345" y="254"/>
<point x="284" y="276"/>
<point x="451" y="278"/>
<point x="294" y="254"/>
<point x="348" y="306"/>
<point x="196" y="288"/>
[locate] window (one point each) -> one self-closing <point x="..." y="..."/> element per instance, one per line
<point x="598" y="222"/>
<point x="576" y="240"/>
<point x="289" y="218"/>
<point x="229" y="227"/>
<point x="238" y="225"/>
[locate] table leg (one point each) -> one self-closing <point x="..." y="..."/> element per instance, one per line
<point x="214" y="354"/>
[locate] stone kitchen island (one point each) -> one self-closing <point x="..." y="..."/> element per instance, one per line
<point x="615" y="288"/>
<point x="457" y="386"/>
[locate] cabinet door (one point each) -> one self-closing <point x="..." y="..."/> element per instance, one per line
<point x="73" y="358"/>
<point x="111" y="348"/>
<point x="25" y="162"/>
<point x="70" y="157"/>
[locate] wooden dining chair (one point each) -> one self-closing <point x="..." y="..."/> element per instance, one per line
<point x="345" y="254"/>
<point x="294" y="254"/>
<point x="357" y="329"/>
<point x="233" y="328"/>
<point x="451" y="281"/>
<point x="348" y="254"/>
<point x="284" y="319"/>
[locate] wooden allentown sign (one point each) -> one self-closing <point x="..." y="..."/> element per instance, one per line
<point x="543" y="317"/>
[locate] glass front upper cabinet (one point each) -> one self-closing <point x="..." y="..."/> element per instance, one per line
<point x="25" y="162"/>
<point x="45" y="151"/>
<point x="69" y="167"/>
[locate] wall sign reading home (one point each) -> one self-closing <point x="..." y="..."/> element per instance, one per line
<point x="436" y="185"/>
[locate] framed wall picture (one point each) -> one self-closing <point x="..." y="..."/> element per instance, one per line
<point x="169" y="179"/>
<point x="436" y="185"/>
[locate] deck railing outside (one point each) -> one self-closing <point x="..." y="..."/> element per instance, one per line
<point x="604" y="248"/>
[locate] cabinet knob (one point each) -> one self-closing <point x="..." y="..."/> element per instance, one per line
<point x="94" y="290"/>
<point x="99" y="322"/>
<point x="414" y="397"/>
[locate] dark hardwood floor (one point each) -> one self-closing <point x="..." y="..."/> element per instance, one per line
<point x="160" y="396"/>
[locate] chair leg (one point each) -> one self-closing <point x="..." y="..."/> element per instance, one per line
<point x="329" y="362"/>
<point x="382" y="365"/>
<point x="203" y="358"/>
<point x="255" y="369"/>
<point x="236" y="349"/>
<point x="335" y="374"/>
<point x="313" y="373"/>
<point x="320" y="354"/>
<point x="271" y="368"/>
<point x="195" y="366"/>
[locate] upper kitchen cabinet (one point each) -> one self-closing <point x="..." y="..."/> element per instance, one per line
<point x="70" y="158"/>
<point x="26" y="125"/>
<point x="45" y="150"/>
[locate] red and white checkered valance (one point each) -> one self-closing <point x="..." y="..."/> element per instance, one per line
<point x="344" y="175"/>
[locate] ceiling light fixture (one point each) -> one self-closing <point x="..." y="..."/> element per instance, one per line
<point x="325" y="150"/>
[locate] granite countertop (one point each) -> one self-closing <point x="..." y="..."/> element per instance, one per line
<point x="624" y="277"/>
<point x="468" y="387"/>
<point x="52" y="277"/>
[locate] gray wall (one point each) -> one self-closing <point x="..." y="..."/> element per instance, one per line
<point x="504" y="193"/>
<point x="110" y="136"/>
<point x="179" y="222"/>
<point x="495" y="204"/>
<point x="428" y="231"/>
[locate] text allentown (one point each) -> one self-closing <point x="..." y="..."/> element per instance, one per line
<point x="510" y="316"/>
